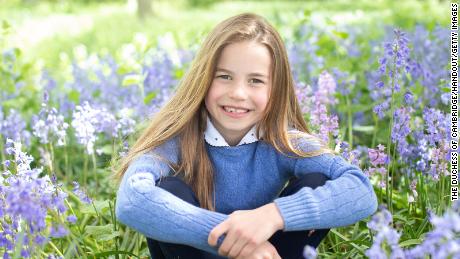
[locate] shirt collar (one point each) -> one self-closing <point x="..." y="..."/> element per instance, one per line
<point x="214" y="138"/>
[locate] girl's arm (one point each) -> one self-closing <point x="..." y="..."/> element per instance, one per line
<point x="158" y="214"/>
<point x="345" y="199"/>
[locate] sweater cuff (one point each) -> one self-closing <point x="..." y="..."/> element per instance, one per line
<point x="300" y="211"/>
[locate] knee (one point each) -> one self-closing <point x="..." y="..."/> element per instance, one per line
<point x="313" y="180"/>
<point x="179" y="188"/>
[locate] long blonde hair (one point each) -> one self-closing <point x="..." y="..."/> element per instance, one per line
<point x="185" y="114"/>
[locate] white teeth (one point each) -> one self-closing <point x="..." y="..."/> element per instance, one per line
<point x="229" y="109"/>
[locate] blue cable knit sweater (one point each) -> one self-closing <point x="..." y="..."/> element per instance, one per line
<point x="246" y="177"/>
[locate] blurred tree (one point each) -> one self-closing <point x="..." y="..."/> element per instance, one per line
<point x="144" y="8"/>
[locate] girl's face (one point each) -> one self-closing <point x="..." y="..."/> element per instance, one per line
<point x="240" y="89"/>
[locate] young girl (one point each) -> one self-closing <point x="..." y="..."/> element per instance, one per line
<point x="208" y="176"/>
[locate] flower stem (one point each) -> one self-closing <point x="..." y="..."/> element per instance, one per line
<point x="95" y="171"/>
<point x="55" y="248"/>
<point x="114" y="220"/>
<point x="390" y="129"/>
<point x="85" y="169"/>
<point x="52" y="157"/>
<point x="376" y="123"/>
<point x="1" y="152"/>
<point x="350" y="123"/>
<point x="66" y="159"/>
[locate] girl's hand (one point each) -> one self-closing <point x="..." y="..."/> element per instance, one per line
<point x="246" y="230"/>
<point x="265" y="251"/>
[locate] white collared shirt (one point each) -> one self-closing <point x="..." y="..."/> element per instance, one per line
<point x="214" y="138"/>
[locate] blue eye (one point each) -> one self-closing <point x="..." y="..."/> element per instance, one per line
<point x="256" y="81"/>
<point x="226" y="77"/>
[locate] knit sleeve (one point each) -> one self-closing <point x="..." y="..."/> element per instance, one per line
<point x="344" y="199"/>
<point x="158" y="214"/>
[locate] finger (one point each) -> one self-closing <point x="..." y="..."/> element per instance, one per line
<point x="237" y="248"/>
<point x="216" y="232"/>
<point x="230" y="240"/>
<point x="248" y="249"/>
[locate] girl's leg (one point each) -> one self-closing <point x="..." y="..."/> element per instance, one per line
<point x="290" y="244"/>
<point x="163" y="250"/>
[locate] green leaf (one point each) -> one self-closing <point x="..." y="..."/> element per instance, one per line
<point x="107" y="237"/>
<point x="445" y="89"/>
<point x="132" y="80"/>
<point x="361" y="128"/>
<point x="97" y="231"/>
<point x="101" y="207"/>
<point x="356" y="108"/>
<point x="361" y="250"/>
<point x="107" y="253"/>
<point x="400" y="217"/>
<point x="74" y="96"/>
<point x="340" y="34"/>
<point x="410" y="242"/>
<point x="5" y="25"/>
<point x="124" y="69"/>
<point x="150" y="97"/>
<point x="96" y="93"/>
<point x="106" y="149"/>
<point x="179" y="73"/>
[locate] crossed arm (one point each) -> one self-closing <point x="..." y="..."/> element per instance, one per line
<point x="140" y="204"/>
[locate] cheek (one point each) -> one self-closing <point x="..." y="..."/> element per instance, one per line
<point x="262" y="100"/>
<point x="211" y="97"/>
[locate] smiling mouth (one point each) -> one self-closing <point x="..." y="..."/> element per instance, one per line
<point x="234" y="110"/>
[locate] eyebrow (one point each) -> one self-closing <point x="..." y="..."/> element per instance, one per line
<point x="230" y="72"/>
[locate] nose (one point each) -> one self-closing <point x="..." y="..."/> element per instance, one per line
<point x="238" y="90"/>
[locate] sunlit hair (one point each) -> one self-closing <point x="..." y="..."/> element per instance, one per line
<point x="185" y="113"/>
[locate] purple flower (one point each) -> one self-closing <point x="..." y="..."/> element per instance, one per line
<point x="401" y="129"/>
<point x="326" y="89"/>
<point x="444" y="240"/>
<point x="13" y="126"/>
<point x="351" y="156"/>
<point x="381" y="108"/>
<point x="345" y="82"/>
<point x="303" y="57"/>
<point x="58" y="231"/>
<point x="408" y="98"/>
<point x="388" y="79"/>
<point x="378" y="157"/>
<point x="385" y="234"/>
<point x="80" y="194"/>
<point x="49" y="126"/>
<point x="25" y="202"/>
<point x="72" y="219"/>
<point x="428" y="63"/>
<point x="325" y="123"/>
<point x="378" y="160"/>
<point x="309" y="252"/>
<point x="303" y="93"/>
<point x="89" y="121"/>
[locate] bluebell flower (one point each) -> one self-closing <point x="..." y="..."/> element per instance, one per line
<point x="80" y="194"/>
<point x="49" y="126"/>
<point x="72" y="219"/>
<point x="25" y="202"/>
<point x="428" y="62"/>
<point x="444" y="240"/>
<point x="58" y="231"/>
<point x="13" y="127"/>
<point x="309" y="252"/>
<point x="384" y="234"/>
